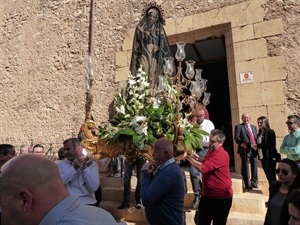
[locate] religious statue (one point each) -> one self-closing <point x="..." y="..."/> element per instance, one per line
<point x="89" y="131"/>
<point x="150" y="44"/>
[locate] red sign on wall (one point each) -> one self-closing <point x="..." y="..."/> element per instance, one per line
<point x="246" y="77"/>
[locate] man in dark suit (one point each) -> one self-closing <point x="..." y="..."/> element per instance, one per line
<point x="245" y="136"/>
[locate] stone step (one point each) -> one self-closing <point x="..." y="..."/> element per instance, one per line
<point x="137" y="216"/>
<point x="114" y="181"/>
<point x="116" y="194"/>
<point x="249" y="202"/>
<point x="237" y="182"/>
<point x="238" y="218"/>
<point x="131" y="214"/>
<point x="113" y="188"/>
<point x="247" y="207"/>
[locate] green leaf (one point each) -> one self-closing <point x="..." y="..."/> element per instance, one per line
<point x="198" y="142"/>
<point x="170" y="136"/>
<point x="138" y="141"/>
<point x="191" y="139"/>
<point x="128" y="108"/>
<point x="160" y="110"/>
<point x="195" y="140"/>
<point x="188" y="145"/>
<point x="127" y="131"/>
<point x="198" y="131"/>
<point x="152" y="139"/>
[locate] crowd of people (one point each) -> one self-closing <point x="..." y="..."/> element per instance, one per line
<point x="66" y="187"/>
<point x="282" y="174"/>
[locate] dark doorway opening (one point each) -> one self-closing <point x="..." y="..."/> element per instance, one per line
<point x="210" y="56"/>
<point x="219" y="107"/>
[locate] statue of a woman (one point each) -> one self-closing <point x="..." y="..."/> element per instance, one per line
<point x="150" y="45"/>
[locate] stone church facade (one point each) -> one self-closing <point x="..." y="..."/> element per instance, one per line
<point x="44" y="59"/>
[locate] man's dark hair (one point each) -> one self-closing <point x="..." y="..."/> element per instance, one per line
<point x="220" y="135"/>
<point x="4" y="148"/>
<point x="38" y="145"/>
<point x="295" y="118"/>
<point x="292" y="164"/>
<point x="294" y="198"/>
<point x="74" y="141"/>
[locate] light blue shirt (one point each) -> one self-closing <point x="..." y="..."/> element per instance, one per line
<point x="291" y="145"/>
<point x="70" y="212"/>
<point x="160" y="167"/>
<point x="81" y="183"/>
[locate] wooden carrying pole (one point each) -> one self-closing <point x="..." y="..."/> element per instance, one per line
<point x="90" y="73"/>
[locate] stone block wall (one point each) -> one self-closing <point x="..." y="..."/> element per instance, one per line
<point x="248" y="46"/>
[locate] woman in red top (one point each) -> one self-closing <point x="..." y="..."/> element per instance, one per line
<point x="216" y="199"/>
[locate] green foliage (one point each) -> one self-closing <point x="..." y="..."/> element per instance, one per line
<point x="144" y="118"/>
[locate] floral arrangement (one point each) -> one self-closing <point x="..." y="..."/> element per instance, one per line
<point x="143" y="117"/>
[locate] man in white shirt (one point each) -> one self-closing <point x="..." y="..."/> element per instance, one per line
<point x="79" y="173"/>
<point x="206" y="125"/>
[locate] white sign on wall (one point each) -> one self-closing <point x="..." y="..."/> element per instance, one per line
<point x="246" y="77"/>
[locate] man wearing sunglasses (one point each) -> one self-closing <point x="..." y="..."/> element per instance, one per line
<point x="291" y="142"/>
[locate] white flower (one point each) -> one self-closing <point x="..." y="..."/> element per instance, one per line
<point x="137" y="120"/>
<point x="121" y="110"/>
<point x="141" y="96"/>
<point x="142" y="129"/>
<point x="186" y="123"/>
<point x="155" y="103"/>
<point x="141" y="72"/>
<point x="131" y="82"/>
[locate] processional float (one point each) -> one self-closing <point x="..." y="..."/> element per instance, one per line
<point x="145" y="112"/>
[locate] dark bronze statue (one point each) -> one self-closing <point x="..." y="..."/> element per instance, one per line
<point x="150" y="44"/>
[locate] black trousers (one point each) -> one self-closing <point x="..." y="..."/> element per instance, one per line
<point x="247" y="158"/>
<point x="129" y="167"/>
<point x="213" y="210"/>
<point x="269" y="168"/>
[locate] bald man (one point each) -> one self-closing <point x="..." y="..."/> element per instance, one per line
<point x="163" y="186"/>
<point x="33" y="193"/>
<point x="245" y="135"/>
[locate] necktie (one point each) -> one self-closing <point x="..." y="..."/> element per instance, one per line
<point x="249" y="131"/>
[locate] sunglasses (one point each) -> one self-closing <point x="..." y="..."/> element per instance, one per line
<point x="290" y="123"/>
<point x="283" y="171"/>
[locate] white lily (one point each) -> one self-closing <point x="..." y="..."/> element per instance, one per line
<point x="131" y="82"/>
<point x="137" y="120"/>
<point x="122" y="109"/>
<point x="142" y="129"/>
